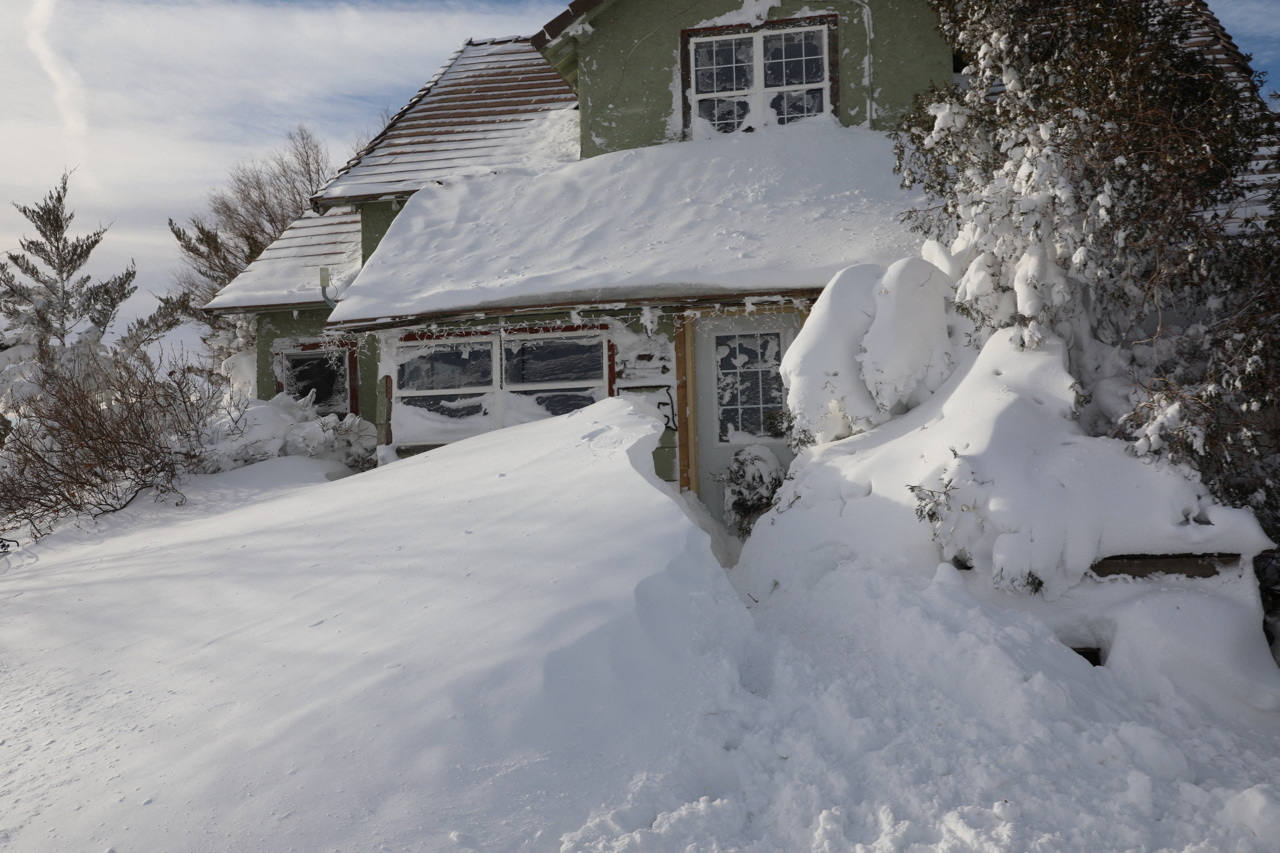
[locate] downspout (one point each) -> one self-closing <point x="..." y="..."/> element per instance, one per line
<point x="324" y="288"/>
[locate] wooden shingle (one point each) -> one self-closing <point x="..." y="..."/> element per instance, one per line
<point x="479" y="111"/>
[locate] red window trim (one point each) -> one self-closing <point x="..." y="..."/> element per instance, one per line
<point x="411" y="337"/>
<point x="831" y="22"/>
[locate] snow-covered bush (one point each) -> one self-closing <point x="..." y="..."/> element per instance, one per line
<point x="752" y="480"/>
<point x="1075" y="166"/>
<point x="1006" y="481"/>
<point x="1090" y="172"/>
<point x="877" y="342"/>
<point x="283" y="426"/>
<point x="97" y="431"/>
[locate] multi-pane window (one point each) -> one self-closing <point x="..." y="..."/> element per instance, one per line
<point x="748" y="80"/>
<point x="750" y="399"/>
<point x="560" y="375"/>
<point x="323" y="371"/>
<point x="475" y="384"/>
<point x="450" y="379"/>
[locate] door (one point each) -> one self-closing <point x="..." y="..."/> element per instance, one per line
<point x="739" y="398"/>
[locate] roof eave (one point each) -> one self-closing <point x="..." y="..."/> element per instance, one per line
<point x="480" y="312"/>
<point x="556" y="41"/>
<point x="320" y="204"/>
<point x="258" y="309"/>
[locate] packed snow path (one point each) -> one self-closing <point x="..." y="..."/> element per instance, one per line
<point x="522" y="643"/>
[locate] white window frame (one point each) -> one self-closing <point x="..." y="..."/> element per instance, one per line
<point x="759" y="113"/>
<point x="497" y="341"/>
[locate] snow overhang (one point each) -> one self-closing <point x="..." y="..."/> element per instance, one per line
<point x="779" y="209"/>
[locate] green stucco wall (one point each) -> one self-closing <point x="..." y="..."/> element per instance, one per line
<point x="278" y="330"/>
<point x="375" y="219"/>
<point x="627" y="62"/>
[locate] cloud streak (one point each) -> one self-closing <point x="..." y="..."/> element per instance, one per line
<point x="67" y="94"/>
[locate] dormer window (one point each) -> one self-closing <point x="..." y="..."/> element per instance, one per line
<point x="741" y="78"/>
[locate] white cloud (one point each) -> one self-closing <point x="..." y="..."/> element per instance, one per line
<point x="152" y="101"/>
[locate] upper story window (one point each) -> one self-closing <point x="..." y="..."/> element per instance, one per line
<point x="741" y="78"/>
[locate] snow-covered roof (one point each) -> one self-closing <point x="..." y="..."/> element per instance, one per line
<point x="479" y="112"/>
<point x="783" y="208"/>
<point x="288" y="271"/>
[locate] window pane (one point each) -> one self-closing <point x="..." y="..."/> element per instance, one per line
<point x="723" y="65"/>
<point x="727" y="389"/>
<point x="749" y="391"/>
<point x="561" y="402"/>
<point x="727" y="352"/>
<point x="725" y="115"/>
<point x="728" y="424"/>
<point x="553" y="360"/>
<point x="775" y="421"/>
<point x="450" y="405"/>
<point x="462" y="365"/>
<point x="772" y="392"/>
<point x="749" y="388"/>
<point x="324" y="373"/>
<point x="791" y="106"/>
<point x="793" y="59"/>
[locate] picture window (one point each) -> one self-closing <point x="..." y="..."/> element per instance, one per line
<point x="503" y="379"/>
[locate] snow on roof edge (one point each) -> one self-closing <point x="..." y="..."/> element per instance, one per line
<point x="780" y="209"/>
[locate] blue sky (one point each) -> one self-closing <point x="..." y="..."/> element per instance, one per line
<point x="1255" y="26"/>
<point x="152" y="101"/>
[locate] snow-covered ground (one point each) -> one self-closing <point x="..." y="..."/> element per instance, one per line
<point x="522" y="642"/>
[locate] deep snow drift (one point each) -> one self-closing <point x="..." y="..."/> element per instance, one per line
<point x="521" y="642"/>
<point x="487" y="640"/>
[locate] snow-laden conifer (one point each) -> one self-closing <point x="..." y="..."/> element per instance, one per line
<point x="1085" y="166"/>
<point x="48" y="305"/>
<point x="1094" y="170"/>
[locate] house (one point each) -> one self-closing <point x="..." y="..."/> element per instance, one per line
<point x="588" y="212"/>
<point x="642" y="198"/>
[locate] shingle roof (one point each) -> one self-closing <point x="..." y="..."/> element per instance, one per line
<point x="287" y="272"/>
<point x="1209" y="36"/>
<point x="478" y="112"/>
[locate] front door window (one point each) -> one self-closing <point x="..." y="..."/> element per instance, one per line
<point x="750" y="399"/>
<point x="738" y="395"/>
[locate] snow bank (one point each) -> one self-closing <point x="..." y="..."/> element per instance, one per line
<point x="1014" y="487"/>
<point x="786" y="208"/>
<point x="519" y="642"/>
<point x="283" y="426"/>
<point x="465" y="650"/>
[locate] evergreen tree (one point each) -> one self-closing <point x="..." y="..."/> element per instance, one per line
<point x="57" y="304"/>
<point x="1088" y="167"/>
<point x="48" y="305"/>
<point x="1093" y="172"/>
